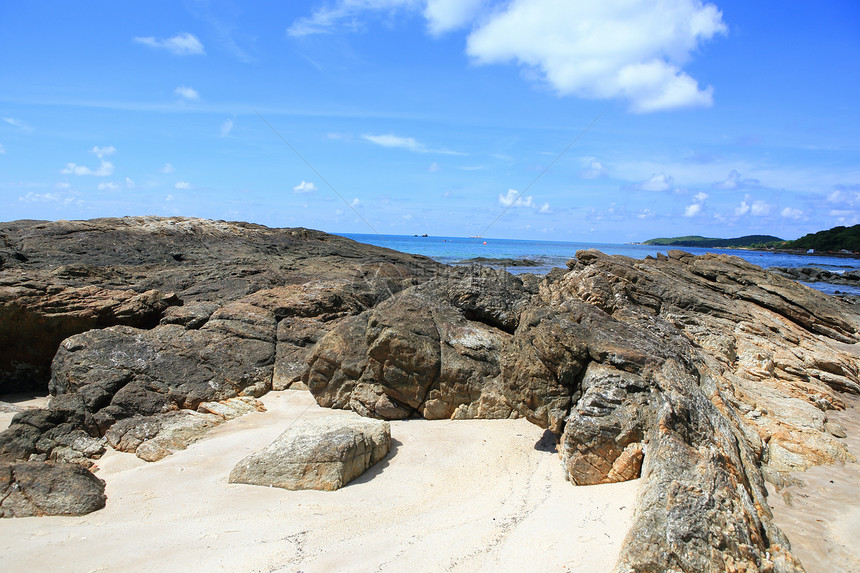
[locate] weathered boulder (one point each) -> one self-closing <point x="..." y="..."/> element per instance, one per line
<point x="325" y="454"/>
<point x="37" y="488"/>
<point x="433" y="350"/>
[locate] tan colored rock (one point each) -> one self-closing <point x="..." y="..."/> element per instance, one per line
<point x="325" y="454"/>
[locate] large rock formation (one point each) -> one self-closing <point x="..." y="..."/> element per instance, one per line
<point x="34" y="488"/>
<point x="704" y="375"/>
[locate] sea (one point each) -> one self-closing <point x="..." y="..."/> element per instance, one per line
<point x="551" y="254"/>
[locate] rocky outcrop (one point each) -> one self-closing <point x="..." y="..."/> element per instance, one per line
<point x="704" y="375"/>
<point x="816" y="274"/>
<point x="62" y="278"/>
<point x="324" y="454"/>
<point x="35" y="488"/>
<point x="144" y="320"/>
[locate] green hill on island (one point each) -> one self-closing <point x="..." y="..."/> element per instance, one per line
<point x="832" y="240"/>
<point x="747" y="241"/>
<point x="835" y="239"/>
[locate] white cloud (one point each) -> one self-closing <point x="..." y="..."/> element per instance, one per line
<point x="305" y="187"/>
<point x="759" y="209"/>
<point x="659" y="182"/>
<point x="391" y="140"/>
<point x="101" y="152"/>
<point x="108" y="186"/>
<point x="169" y="198"/>
<point x="2" y="149"/>
<point x="594" y="170"/>
<point x="791" y="213"/>
<point x="39" y="197"/>
<point x="630" y="49"/>
<point x="103" y="170"/>
<point x="734" y="181"/>
<point x="446" y="15"/>
<point x="168" y="168"/>
<point x="182" y="44"/>
<point x="434" y="167"/>
<point x="844" y="195"/>
<point x="514" y="199"/>
<point x="409" y="143"/>
<point x="743" y="208"/>
<point x="17" y="123"/>
<point x="355" y="203"/>
<point x="544" y="208"/>
<point x="182" y="185"/>
<point x="226" y="127"/>
<point x="645" y="214"/>
<point x="326" y="19"/>
<point x="693" y="210"/>
<point x="700" y="197"/>
<point x="129" y="183"/>
<point x="187" y="93"/>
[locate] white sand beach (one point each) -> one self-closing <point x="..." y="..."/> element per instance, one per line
<point x="474" y="495"/>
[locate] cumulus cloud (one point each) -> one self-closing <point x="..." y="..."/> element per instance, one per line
<point x="186" y="92"/>
<point x="693" y="210"/>
<point x="101" y="152"/>
<point x="109" y="186"/>
<point x="168" y="168"/>
<point x="226" y="128"/>
<point x="658" y="182"/>
<point x="759" y="209"/>
<point x="305" y="187"/>
<point x="845" y="195"/>
<point x="629" y="49"/>
<point x="544" y="208"/>
<point x="645" y="214"/>
<point x="103" y="170"/>
<point x="735" y="181"/>
<point x="514" y="199"/>
<point x="182" y="185"/>
<point x="791" y="213"/>
<point x="182" y="44"/>
<point x="743" y="208"/>
<point x="594" y="170"/>
<point x="446" y="15"/>
<point x="700" y="197"/>
<point x="355" y="203"/>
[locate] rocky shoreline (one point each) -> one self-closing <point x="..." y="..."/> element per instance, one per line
<point x="705" y="376"/>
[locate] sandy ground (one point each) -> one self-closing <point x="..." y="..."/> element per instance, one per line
<point x="476" y="495"/>
<point x="822" y="517"/>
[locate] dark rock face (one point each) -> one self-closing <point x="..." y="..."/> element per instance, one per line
<point x="36" y="488"/>
<point x="137" y="333"/>
<point x="63" y="278"/>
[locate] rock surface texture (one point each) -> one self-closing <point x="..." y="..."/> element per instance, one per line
<point x="705" y="376"/>
<point x="35" y="488"/>
<point x="324" y="454"/>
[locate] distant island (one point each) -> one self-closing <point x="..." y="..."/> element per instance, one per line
<point x="748" y="241"/>
<point x="835" y="240"/>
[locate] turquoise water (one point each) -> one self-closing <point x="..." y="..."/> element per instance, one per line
<point x="551" y="254"/>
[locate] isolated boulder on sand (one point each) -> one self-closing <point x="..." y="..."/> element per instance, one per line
<point x="324" y="454"/>
<point x="37" y="488"/>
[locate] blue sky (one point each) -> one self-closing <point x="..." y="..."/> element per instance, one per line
<point x="448" y="117"/>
